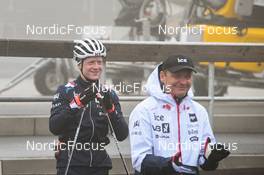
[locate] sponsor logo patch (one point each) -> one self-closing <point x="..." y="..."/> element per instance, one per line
<point x="194" y="138"/>
<point x="164" y="128"/>
<point x="136" y="124"/>
<point x="193" y="117"/>
<point x="158" y="117"/>
<point x="192" y="132"/>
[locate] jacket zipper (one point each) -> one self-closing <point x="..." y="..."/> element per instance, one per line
<point x="91" y="155"/>
<point x="179" y="129"/>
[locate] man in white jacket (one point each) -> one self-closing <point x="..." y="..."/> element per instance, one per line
<point x="169" y="132"/>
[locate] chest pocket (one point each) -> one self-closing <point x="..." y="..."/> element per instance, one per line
<point x="87" y="118"/>
<point x="100" y="120"/>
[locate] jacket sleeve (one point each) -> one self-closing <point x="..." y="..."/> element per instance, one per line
<point x="207" y="132"/>
<point x="140" y="133"/>
<point x="118" y="120"/>
<point x="61" y="113"/>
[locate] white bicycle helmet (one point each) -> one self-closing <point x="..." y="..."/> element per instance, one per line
<point x="88" y="48"/>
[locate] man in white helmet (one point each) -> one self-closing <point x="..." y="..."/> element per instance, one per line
<point x="79" y="99"/>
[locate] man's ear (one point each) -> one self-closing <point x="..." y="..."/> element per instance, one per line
<point x="162" y="76"/>
<point x="80" y="67"/>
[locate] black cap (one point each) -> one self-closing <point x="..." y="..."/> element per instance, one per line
<point x="175" y="63"/>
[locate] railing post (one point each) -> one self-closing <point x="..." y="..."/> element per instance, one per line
<point x="146" y="29"/>
<point x="211" y="92"/>
<point x="1" y="167"/>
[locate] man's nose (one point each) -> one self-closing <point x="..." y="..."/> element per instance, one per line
<point x="97" y="65"/>
<point x="183" y="80"/>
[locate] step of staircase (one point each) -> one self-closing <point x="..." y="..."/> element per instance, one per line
<point x="38" y="125"/>
<point x="229" y="117"/>
<point x="19" y="158"/>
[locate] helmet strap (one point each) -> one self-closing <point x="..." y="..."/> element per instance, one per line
<point x="81" y="70"/>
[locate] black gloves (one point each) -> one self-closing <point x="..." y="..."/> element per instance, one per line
<point x="107" y="101"/>
<point x="86" y="96"/>
<point x="213" y="154"/>
<point x="90" y="93"/>
<point x="218" y="153"/>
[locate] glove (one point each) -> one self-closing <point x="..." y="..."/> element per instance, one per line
<point x="216" y="152"/>
<point x="107" y="102"/>
<point x="212" y="154"/>
<point x="181" y="168"/>
<point x="86" y="96"/>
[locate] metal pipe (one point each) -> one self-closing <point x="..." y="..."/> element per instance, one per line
<point x="131" y="99"/>
<point x="211" y="92"/>
<point x="1" y="167"/>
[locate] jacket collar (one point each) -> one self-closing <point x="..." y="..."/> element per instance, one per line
<point x="84" y="83"/>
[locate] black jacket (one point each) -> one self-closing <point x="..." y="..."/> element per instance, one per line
<point x="64" y="120"/>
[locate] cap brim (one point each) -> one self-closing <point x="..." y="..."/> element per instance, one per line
<point x="178" y="68"/>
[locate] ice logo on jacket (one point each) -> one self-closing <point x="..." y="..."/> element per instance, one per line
<point x="193" y="117"/>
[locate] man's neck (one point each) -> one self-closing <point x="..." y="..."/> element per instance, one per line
<point x="86" y="82"/>
<point x="179" y="99"/>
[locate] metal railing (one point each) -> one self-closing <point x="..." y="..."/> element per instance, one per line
<point x="138" y="50"/>
<point x="131" y="98"/>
